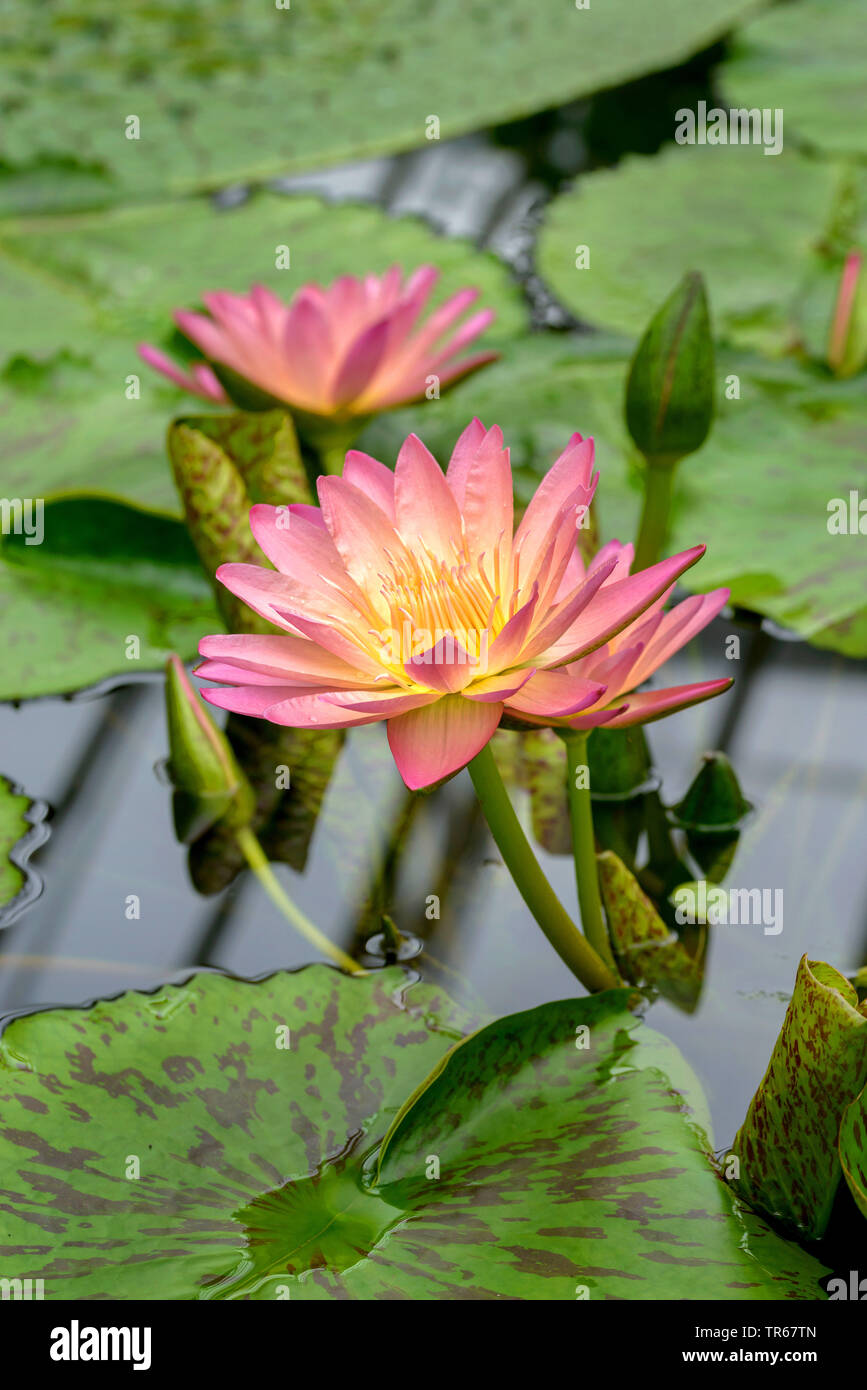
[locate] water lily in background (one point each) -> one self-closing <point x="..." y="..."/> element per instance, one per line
<point x="406" y="597"/>
<point x="338" y="353"/>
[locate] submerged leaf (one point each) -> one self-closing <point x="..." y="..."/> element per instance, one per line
<point x="647" y="951"/>
<point x="787" y="1145"/>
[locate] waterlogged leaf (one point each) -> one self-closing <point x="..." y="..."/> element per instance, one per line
<point x="810" y="59"/>
<point x="648" y="952"/>
<point x="564" y="1167"/>
<point x="22" y="830"/>
<point x="250" y="1139"/>
<point x="83" y="289"/>
<point x="758" y="493"/>
<point x="754" y="260"/>
<point x="223" y="93"/>
<point x="110" y="591"/>
<point x="787" y="1145"/>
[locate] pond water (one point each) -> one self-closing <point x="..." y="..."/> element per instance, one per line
<point x="794" y="732"/>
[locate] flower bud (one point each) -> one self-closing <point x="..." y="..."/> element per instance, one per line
<point x="670" y="387"/>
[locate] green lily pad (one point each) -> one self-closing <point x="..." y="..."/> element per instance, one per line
<point x="224" y="93"/>
<point x="22" y="830"/>
<point x="111" y="591"/>
<point x="787" y="1145"/>
<point x="755" y="262"/>
<point x="83" y="289"/>
<point x="810" y="59"/>
<point x="168" y="1146"/>
<point x="757" y="493"/>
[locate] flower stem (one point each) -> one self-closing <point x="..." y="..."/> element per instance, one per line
<point x="258" y="861"/>
<point x="658" y="480"/>
<point x="549" y="912"/>
<point x="584" y="845"/>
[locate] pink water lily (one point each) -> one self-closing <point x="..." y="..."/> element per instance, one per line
<point x="629" y="657"/>
<point x="341" y="352"/>
<point x="406" y="597"/>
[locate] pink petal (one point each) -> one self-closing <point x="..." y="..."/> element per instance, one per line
<point x="571" y="471"/>
<point x="555" y="694"/>
<point x="254" y="700"/>
<point x="487" y="507"/>
<point x="508" y="646"/>
<point x="615" y="606"/>
<point x="430" y="743"/>
<point x="462" y="456"/>
<point x="292" y="660"/>
<point x="446" y="666"/>
<point x="424" y="507"/>
<point x="500" y="687"/>
<point x="678" y="627"/>
<point x="361" y="532"/>
<point x="655" y="704"/>
<point x="371" y="477"/>
<point x="360" y="363"/>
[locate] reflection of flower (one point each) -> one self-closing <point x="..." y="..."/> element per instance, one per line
<point x="341" y="352"/>
<point x="633" y="654"/>
<point x="406" y="597"/>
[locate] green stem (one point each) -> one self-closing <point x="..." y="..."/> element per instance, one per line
<point x="258" y="861"/>
<point x="658" y="480"/>
<point x="584" y="845"/>
<point x="549" y="912"/>
<point x="331" y="458"/>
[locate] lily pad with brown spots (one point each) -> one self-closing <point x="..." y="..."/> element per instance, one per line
<point x="168" y="1147"/>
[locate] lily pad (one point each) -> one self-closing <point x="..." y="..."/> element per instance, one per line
<point x="110" y="591"/>
<point x="754" y="226"/>
<point x="22" y="830"/>
<point x="83" y="289"/>
<point x="126" y="104"/>
<point x="810" y="59"/>
<point x="169" y="1146"/>
<point x="787" y="1145"/>
<point x="757" y="493"/>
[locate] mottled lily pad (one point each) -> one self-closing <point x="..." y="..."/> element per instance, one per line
<point x="223" y="92"/>
<point x="172" y="1146"/>
<point x="22" y="830"/>
<point x="787" y="1145"/>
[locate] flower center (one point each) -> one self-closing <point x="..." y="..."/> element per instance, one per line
<point x="430" y="599"/>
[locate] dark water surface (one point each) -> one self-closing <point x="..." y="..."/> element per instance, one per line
<point x="795" y="735"/>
